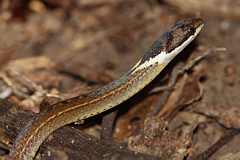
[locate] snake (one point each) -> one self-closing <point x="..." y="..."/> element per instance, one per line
<point x="94" y="102"/>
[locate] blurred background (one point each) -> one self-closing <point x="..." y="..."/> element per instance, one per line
<point x="71" y="47"/>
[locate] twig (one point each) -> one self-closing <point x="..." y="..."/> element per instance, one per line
<point x="223" y="140"/>
<point x="167" y="91"/>
<point x="187" y="67"/>
<point x="38" y="88"/>
<point x="107" y="125"/>
<point x="174" y="75"/>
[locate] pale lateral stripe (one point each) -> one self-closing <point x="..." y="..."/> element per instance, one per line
<point x="164" y="57"/>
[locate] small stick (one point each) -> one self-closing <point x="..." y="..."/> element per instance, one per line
<point x="174" y="75"/>
<point x="222" y="141"/>
<point x="107" y="125"/>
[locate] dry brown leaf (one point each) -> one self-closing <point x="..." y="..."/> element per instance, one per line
<point x="187" y="90"/>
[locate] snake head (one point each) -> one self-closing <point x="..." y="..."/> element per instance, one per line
<point x="171" y="43"/>
<point x="180" y="35"/>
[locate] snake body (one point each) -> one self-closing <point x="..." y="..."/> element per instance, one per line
<point x="97" y="101"/>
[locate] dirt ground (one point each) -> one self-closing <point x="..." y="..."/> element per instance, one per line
<point x="66" y="48"/>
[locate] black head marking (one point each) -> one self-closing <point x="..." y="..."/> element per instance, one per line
<point x="173" y="38"/>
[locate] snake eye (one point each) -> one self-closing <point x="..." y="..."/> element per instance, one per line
<point x="192" y="30"/>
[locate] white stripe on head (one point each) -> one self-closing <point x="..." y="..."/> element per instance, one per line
<point x="165" y="58"/>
